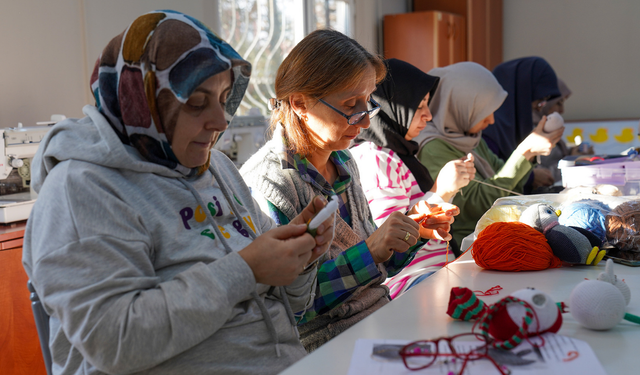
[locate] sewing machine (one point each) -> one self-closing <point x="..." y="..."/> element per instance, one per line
<point x="17" y="147"/>
<point x="244" y="136"/>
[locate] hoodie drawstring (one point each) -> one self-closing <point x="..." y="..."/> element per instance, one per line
<point x="232" y="202"/>
<point x="253" y="235"/>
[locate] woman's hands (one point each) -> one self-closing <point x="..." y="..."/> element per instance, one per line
<point x="455" y="175"/>
<point x="542" y="177"/>
<point x="278" y="256"/>
<point x="435" y="220"/>
<point x="324" y="232"/>
<point x="539" y="142"/>
<point x="391" y="236"/>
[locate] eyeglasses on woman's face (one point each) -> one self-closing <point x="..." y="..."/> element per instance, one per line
<point x="358" y="116"/>
<point x="419" y="355"/>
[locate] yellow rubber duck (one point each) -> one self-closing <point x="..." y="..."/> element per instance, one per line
<point x="601" y="136"/>
<point x="625" y="136"/>
<point x="572" y="137"/>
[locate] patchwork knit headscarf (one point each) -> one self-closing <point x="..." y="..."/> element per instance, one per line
<point x="145" y="75"/>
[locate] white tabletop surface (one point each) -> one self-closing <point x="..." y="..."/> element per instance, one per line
<point x="421" y="314"/>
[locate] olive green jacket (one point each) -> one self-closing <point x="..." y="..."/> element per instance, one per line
<point x="475" y="199"/>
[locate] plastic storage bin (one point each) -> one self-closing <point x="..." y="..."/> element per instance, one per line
<point x="625" y="175"/>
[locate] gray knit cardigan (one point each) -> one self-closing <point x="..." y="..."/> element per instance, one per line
<point x="286" y="190"/>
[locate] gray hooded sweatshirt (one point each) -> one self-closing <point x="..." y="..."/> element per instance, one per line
<point x="138" y="266"/>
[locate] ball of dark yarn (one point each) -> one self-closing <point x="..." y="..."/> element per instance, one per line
<point x="623" y="226"/>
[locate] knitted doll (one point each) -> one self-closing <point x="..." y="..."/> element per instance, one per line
<point x="525" y="313"/>
<point x="571" y="245"/>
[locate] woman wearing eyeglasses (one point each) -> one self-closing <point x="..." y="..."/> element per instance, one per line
<point x="530" y="83"/>
<point x="323" y="102"/>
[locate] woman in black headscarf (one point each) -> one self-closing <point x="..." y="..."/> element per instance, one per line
<point x="392" y="177"/>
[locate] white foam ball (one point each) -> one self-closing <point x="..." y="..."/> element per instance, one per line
<point x="597" y="304"/>
<point x="554" y="122"/>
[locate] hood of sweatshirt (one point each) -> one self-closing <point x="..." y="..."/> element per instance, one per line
<point x="90" y="139"/>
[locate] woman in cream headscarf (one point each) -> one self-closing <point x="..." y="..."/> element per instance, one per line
<point x="462" y="107"/>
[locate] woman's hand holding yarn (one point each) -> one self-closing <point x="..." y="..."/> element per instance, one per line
<point x="391" y="236"/>
<point x="324" y="232"/>
<point x="278" y="256"/>
<point x="435" y="220"/>
<point x="455" y="175"/>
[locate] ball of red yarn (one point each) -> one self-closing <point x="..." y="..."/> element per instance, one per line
<point x="513" y="246"/>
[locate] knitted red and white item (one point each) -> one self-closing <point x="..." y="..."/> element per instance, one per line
<point x="512" y="319"/>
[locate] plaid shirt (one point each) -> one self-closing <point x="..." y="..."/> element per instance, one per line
<point x="338" y="278"/>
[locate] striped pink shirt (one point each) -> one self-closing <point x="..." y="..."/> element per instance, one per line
<point x="387" y="182"/>
<point x="390" y="186"/>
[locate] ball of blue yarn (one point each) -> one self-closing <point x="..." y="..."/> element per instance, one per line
<point x="585" y="216"/>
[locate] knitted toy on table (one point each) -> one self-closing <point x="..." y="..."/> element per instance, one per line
<point x="571" y="245"/>
<point x="525" y="313"/>
<point x="600" y="304"/>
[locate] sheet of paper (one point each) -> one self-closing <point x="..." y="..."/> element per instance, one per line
<point x="559" y="355"/>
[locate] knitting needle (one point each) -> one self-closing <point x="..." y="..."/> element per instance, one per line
<point x="497" y="187"/>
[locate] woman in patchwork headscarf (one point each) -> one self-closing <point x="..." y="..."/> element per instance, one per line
<point x="462" y="107"/>
<point x="392" y="177"/>
<point x="145" y="246"/>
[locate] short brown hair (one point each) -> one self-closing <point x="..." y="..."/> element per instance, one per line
<point x="324" y="62"/>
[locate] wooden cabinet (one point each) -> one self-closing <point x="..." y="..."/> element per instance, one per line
<point x="19" y="346"/>
<point x="483" y="26"/>
<point x="425" y="39"/>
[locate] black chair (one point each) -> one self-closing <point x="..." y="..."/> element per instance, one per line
<point x="42" y="325"/>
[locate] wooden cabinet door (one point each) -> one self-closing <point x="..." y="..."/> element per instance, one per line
<point x="20" y="352"/>
<point x="443" y="40"/>
<point x="458" y="39"/>
<point x="411" y="37"/>
<point x="483" y="26"/>
<point x="425" y="39"/>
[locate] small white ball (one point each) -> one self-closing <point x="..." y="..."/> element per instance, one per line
<point x="597" y="304"/>
<point x="546" y="310"/>
<point x="554" y="122"/>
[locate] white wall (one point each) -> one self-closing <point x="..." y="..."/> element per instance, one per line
<point x="49" y="48"/>
<point x="42" y="68"/>
<point x="368" y="20"/>
<point x="593" y="45"/>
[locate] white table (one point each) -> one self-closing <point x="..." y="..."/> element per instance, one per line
<point x="421" y="314"/>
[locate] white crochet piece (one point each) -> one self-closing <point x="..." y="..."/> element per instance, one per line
<point x="611" y="278"/>
<point x="597" y="305"/>
<point x="554" y="122"/>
